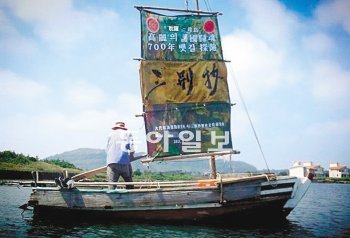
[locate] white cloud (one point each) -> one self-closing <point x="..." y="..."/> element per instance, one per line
<point x="326" y="141"/>
<point x="334" y="12"/>
<point x="39" y="10"/>
<point x="13" y="86"/>
<point x="58" y="23"/>
<point x="11" y="40"/>
<point x="49" y="132"/>
<point x="83" y="94"/>
<point x="256" y="66"/>
<point x="330" y="129"/>
<point x="279" y="56"/>
<point x="330" y="84"/>
<point x="6" y="26"/>
<point x="272" y="21"/>
<point x="319" y="43"/>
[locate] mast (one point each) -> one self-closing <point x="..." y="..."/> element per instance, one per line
<point x="197" y="5"/>
<point x="212" y="162"/>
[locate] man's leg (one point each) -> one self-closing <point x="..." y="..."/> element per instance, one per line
<point x="112" y="175"/>
<point x="127" y="175"/>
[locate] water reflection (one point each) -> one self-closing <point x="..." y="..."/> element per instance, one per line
<point x="255" y="227"/>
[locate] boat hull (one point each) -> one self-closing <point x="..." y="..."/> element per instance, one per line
<point x="228" y="199"/>
<point x="232" y="212"/>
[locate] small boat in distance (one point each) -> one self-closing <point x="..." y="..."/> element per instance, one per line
<point x="186" y="111"/>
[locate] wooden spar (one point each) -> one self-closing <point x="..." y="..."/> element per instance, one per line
<point x="93" y="172"/>
<point x="176" y="10"/>
<point x="212" y="167"/>
<point x="89" y="174"/>
<point x="201" y="155"/>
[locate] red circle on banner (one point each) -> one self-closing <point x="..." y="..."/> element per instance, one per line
<point x="209" y="26"/>
<point x="152" y="24"/>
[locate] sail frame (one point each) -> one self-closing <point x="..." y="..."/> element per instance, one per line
<point x="176" y="51"/>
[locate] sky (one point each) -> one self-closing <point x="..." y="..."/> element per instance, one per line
<point x="67" y="74"/>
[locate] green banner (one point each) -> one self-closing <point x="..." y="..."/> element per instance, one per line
<point x="190" y="128"/>
<point x="189" y="37"/>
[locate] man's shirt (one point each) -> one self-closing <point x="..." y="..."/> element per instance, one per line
<point x="120" y="144"/>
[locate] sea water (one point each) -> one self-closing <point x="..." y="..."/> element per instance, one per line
<point x="323" y="212"/>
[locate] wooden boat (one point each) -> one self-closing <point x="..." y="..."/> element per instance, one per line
<point x="256" y="195"/>
<point x="186" y="103"/>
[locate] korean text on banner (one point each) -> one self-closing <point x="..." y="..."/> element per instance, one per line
<point x="190" y="128"/>
<point x="190" y="37"/>
<point x="164" y="82"/>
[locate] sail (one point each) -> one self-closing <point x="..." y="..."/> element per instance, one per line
<point x="184" y="88"/>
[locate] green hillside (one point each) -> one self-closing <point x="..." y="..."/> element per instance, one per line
<point x="12" y="161"/>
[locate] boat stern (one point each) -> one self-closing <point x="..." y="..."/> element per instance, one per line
<point x="299" y="190"/>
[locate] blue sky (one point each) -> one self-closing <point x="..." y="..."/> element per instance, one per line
<point x="67" y="74"/>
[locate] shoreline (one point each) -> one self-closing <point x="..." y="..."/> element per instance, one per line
<point x="331" y="181"/>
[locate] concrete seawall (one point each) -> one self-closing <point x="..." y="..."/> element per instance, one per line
<point x="28" y="175"/>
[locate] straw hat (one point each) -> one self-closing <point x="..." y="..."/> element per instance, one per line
<point x="119" y="125"/>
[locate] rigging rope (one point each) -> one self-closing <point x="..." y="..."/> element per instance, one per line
<point x="207" y="5"/>
<point x="249" y="118"/>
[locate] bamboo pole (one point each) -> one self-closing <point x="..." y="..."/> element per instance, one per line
<point x="140" y="8"/>
<point x="89" y="174"/>
<point x="212" y="167"/>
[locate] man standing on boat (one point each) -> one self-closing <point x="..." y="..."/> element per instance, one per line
<point x="120" y="151"/>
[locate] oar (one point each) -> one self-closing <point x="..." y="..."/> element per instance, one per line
<point x="93" y="172"/>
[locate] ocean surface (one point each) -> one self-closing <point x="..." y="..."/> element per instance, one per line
<point x="323" y="212"/>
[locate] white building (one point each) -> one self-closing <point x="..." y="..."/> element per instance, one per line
<point x="338" y="171"/>
<point x="302" y="169"/>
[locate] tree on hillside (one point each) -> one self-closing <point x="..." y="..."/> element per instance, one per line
<point x="61" y="163"/>
<point x="14" y="158"/>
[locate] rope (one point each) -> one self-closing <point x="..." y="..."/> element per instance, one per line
<point x="269" y="180"/>
<point x="207" y="4"/>
<point x="249" y="118"/>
